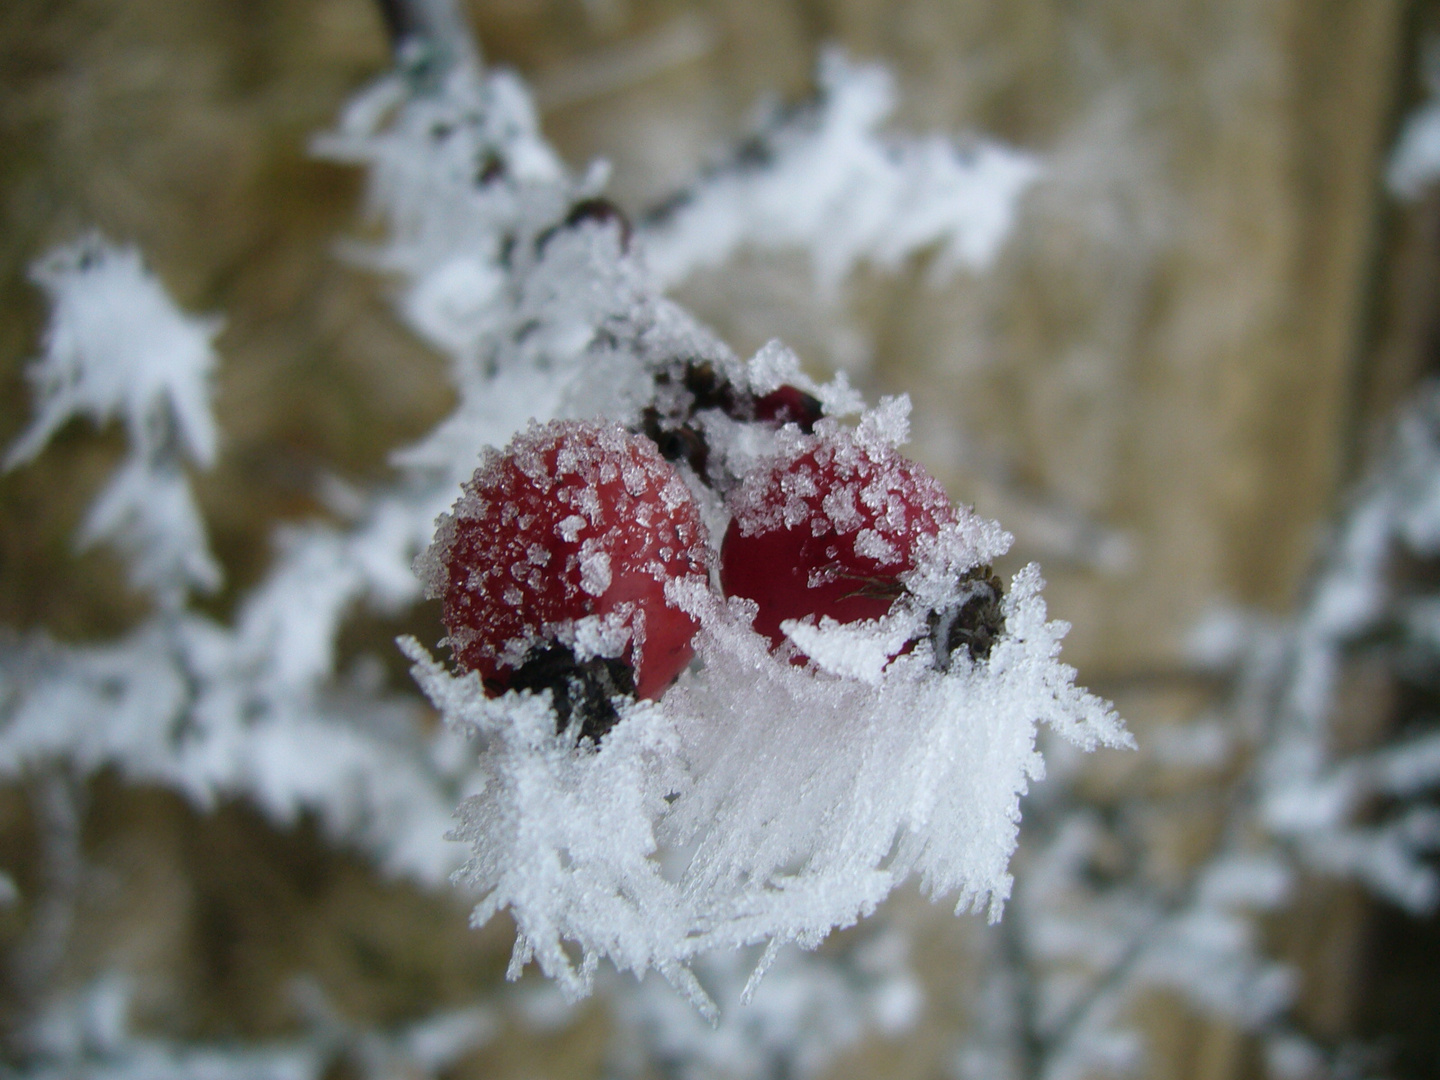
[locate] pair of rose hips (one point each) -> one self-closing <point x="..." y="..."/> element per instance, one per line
<point x="552" y="567"/>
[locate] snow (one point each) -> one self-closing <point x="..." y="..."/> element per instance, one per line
<point x="1089" y="932"/>
<point x="595" y="572"/>
<point x="771" y="776"/>
<point x="88" y="1036"/>
<point x="837" y="479"/>
<point x="761" y="803"/>
<point x="860" y="650"/>
<point x="118" y="347"/>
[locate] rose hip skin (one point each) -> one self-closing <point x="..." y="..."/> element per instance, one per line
<point x="790" y="405"/>
<point x="828" y="530"/>
<point x="571" y="520"/>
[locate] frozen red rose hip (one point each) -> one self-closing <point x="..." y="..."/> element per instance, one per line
<point x="789" y="405"/>
<point x="833" y="527"/>
<point x="552" y="567"/>
<point x="827" y="530"/>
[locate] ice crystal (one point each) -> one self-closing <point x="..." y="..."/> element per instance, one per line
<point x="758" y="801"/>
<point x="1082" y="941"/>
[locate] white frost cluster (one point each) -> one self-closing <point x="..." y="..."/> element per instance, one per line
<point x="1415" y="161"/>
<point x="118" y="348"/>
<point x="1315" y="802"/>
<point x="760" y="802"/>
<point x="757" y="802"/>
<point x="181" y="700"/>
<point x="824" y="180"/>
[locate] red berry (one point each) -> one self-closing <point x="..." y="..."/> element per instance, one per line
<point x="829" y="529"/>
<point x="571" y="520"/>
<point x="790" y="405"/>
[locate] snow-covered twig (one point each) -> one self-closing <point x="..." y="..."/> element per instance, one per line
<point x="88" y="1037"/>
<point x="118" y="348"/>
<point x="823" y="180"/>
<point x="1082" y="942"/>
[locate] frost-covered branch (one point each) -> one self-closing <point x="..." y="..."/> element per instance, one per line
<point x="118" y="348"/>
<point x="1415" y="162"/>
<point x="547" y="304"/>
<point x="89" y="1037"/>
<point x="822" y="179"/>
<point x="209" y="710"/>
<point x="1089" y="931"/>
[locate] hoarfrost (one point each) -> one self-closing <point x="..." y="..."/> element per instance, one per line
<point x="1087" y="934"/>
<point x="180" y="700"/>
<point x="88" y="1036"/>
<point x="757" y="802"/>
<point x="118" y="348"/>
<point x="859" y="650"/>
<point x="823" y="180"/>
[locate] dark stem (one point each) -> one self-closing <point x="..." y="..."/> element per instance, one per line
<point x="1029" y="1049"/>
<point x="57" y="802"/>
<point x="435" y="26"/>
<point x="583" y="692"/>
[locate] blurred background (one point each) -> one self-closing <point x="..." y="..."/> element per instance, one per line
<point x="1188" y="352"/>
